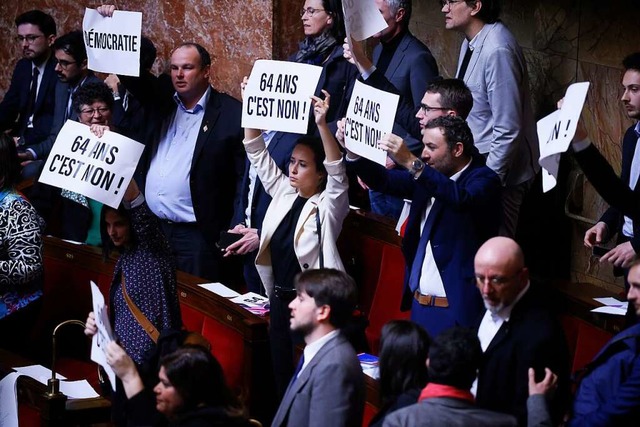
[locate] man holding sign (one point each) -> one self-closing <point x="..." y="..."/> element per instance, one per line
<point x="455" y="207"/>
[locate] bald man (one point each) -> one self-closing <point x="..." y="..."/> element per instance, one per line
<point x="517" y="331"/>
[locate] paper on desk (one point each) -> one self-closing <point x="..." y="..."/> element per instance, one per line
<point x="608" y="309"/>
<point x="611" y="301"/>
<point x="78" y="389"/>
<point x="38" y="373"/>
<point x="9" y="400"/>
<point x="251" y="299"/>
<point x="372" y="371"/>
<point x="220" y="289"/>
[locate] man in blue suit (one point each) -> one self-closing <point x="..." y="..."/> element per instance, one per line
<point x="27" y="107"/>
<point x="491" y="63"/>
<point x="455" y="208"/>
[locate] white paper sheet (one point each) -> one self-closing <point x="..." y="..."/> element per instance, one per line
<point x="362" y="19"/>
<point x="9" y="400"/>
<point x="220" y="289"/>
<point x="104" y="336"/>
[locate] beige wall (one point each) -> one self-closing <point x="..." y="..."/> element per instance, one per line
<point x="564" y="41"/>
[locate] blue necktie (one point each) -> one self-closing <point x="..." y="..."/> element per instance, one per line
<point x="298" y="369"/>
<point x="418" y="259"/>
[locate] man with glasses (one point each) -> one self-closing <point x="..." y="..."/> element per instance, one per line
<point x="27" y="108"/>
<point x="517" y="332"/>
<point x="491" y="63"/>
<point x="70" y="58"/>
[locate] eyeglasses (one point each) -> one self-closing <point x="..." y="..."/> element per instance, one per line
<point x="426" y="109"/>
<point x="30" y="39"/>
<point x="495" y="281"/>
<point x="64" y="64"/>
<point x="449" y="3"/>
<point x="310" y="11"/>
<point x="93" y="111"/>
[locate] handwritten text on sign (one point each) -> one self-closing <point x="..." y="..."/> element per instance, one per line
<point x="277" y="96"/>
<point x="99" y="168"/>
<point x="370" y="115"/>
<point x="113" y="43"/>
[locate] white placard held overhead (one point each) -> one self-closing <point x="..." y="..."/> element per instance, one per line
<point x="278" y="96"/>
<point x="556" y="131"/>
<point x="99" y="168"/>
<point x="113" y="43"/>
<point x="362" y="19"/>
<point x="370" y="115"/>
<point x="104" y="336"/>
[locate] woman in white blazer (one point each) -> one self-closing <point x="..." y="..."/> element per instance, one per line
<point x="301" y="225"/>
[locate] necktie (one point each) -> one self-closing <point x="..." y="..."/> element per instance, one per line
<point x="33" y="91"/>
<point x="418" y="259"/>
<point x="67" y="111"/>
<point x="298" y="369"/>
<point x="465" y="63"/>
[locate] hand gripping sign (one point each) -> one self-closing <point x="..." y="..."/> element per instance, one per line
<point x="99" y="168"/>
<point x="278" y="96"/>
<point x="113" y="43"/>
<point x="556" y="131"/>
<point x="370" y="115"/>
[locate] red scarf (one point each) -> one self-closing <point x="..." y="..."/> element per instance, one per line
<point x="441" y="390"/>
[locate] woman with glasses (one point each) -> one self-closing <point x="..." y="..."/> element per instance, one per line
<point x="324" y="33"/>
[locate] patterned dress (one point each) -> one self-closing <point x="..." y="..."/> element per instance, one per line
<point x="20" y="253"/>
<point x="150" y="279"/>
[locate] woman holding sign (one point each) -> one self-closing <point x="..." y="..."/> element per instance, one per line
<point x="323" y="24"/>
<point x="301" y="225"/>
<point x="20" y="254"/>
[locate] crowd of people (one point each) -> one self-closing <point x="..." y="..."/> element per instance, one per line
<point x="483" y="346"/>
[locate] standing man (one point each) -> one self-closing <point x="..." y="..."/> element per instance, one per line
<point x="491" y="63"/>
<point x="612" y="221"/>
<point x="454" y="209"/>
<point x="408" y="64"/>
<point x="27" y="107"/>
<point x="70" y="58"/>
<point x="517" y="332"/>
<point x="328" y="386"/>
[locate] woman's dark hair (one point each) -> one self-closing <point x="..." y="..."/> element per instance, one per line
<point x="9" y="162"/>
<point x="404" y="347"/>
<point x="334" y="8"/>
<point x="107" y="244"/>
<point x="198" y="377"/>
<point x="315" y="145"/>
<point x="89" y="93"/>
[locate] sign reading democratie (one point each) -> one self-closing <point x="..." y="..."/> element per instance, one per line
<point x="99" y="168"/>
<point x="113" y="43"/>
<point x="556" y="131"/>
<point x="278" y="96"/>
<point x="370" y="115"/>
<point x="362" y="19"/>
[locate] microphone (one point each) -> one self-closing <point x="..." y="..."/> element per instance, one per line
<point x="53" y="383"/>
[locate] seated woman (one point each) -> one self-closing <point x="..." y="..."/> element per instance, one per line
<point x="404" y="347"/>
<point x="143" y="297"/>
<point x="301" y="225"/>
<point x="191" y="391"/>
<point x="20" y="253"/>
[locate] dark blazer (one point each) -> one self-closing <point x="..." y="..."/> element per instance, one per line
<point x="14" y="104"/>
<point x="411" y="69"/>
<point x="613" y="217"/>
<point x="43" y="149"/>
<point x="532" y="337"/>
<point x="465" y="213"/>
<point x="329" y="391"/>
<point x="218" y="158"/>
<point x="609" y="394"/>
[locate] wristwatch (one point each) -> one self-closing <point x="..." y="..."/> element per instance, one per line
<point x="416" y="166"/>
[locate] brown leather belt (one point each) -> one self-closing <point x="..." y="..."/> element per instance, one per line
<point x="430" y="300"/>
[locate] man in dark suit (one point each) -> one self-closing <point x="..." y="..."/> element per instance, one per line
<point x="70" y="58"/>
<point x="27" y="107"/>
<point x="517" y="332"/>
<point x="455" y="208"/>
<point x="408" y="64"/>
<point x="613" y="221"/>
<point x="492" y="64"/>
<point x="194" y="159"/>
<point x="446" y="401"/>
<point x="328" y="386"/>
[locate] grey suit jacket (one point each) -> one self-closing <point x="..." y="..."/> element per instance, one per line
<point x="502" y="120"/>
<point x="411" y="69"/>
<point x="329" y="391"/>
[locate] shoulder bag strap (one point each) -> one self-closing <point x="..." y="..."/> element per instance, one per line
<point x="140" y="317"/>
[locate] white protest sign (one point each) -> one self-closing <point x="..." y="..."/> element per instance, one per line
<point x="370" y="115"/>
<point x="113" y="43"/>
<point x="99" y="168"/>
<point x="277" y="96"/>
<point x="556" y="131"/>
<point x="362" y="19"/>
<point x="104" y="336"/>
